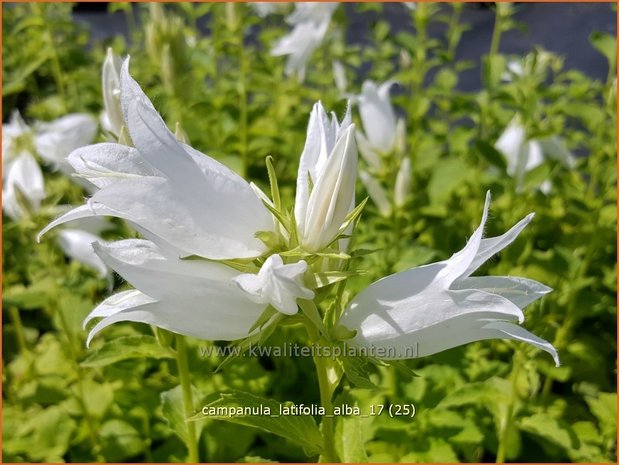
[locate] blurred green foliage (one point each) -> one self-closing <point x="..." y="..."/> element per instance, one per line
<point x="119" y="401"/>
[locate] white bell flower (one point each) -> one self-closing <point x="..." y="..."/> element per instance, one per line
<point x="311" y="22"/>
<point x="326" y="179"/>
<point x="55" y="140"/>
<point x="382" y="130"/>
<point x="523" y="154"/>
<point x="277" y="284"/>
<point x="439" y="306"/>
<point x="22" y="179"/>
<point x="171" y="192"/>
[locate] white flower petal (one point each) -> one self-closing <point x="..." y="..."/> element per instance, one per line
<point x="376" y="193"/>
<point x="493" y="245"/>
<point x="380" y="319"/>
<point x="460" y="262"/>
<point x="277" y="284"/>
<point x="378" y="116"/>
<point x="117" y="303"/>
<point x="107" y="163"/>
<point x="77" y="245"/>
<point x="110" y="85"/>
<point x="511" y="144"/>
<point x="24" y="173"/>
<point x="56" y="140"/>
<point x="520" y="291"/>
<point x="330" y="200"/>
<point x="83" y="211"/>
<point x="511" y="331"/>
<point x="146" y="267"/>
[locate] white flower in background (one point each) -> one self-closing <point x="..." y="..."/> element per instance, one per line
<point x="523" y="155"/>
<point x="190" y="206"/>
<point x="376" y="193"/>
<point x="55" y="140"/>
<point x="112" y="116"/>
<point x="339" y="76"/>
<point x="381" y="128"/>
<point x="264" y="9"/>
<point x="326" y="179"/>
<point x="22" y="179"/>
<point x="77" y="245"/>
<point x="277" y="284"/>
<point x="410" y="5"/>
<point x="513" y="68"/>
<point x="311" y="22"/>
<point x="403" y="182"/>
<point x="439" y="306"/>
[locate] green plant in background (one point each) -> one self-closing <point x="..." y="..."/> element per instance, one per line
<point x="226" y="94"/>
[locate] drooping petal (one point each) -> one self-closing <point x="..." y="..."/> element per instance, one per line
<point x="277" y="284"/>
<point x="83" y="211"/>
<point x="512" y="331"/>
<point x="77" y="245"/>
<point x="493" y="245"/>
<point x="117" y="303"/>
<point x="520" y="291"/>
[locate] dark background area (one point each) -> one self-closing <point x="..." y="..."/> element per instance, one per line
<point x="562" y="28"/>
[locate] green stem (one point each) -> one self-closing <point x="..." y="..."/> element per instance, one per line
<point x="54" y="60"/>
<point x="500" y="455"/>
<point x="322" y="370"/>
<point x="183" y="374"/>
<point x="496" y="33"/>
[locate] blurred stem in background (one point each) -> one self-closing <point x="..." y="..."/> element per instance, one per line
<point x="234" y="23"/>
<point x="38" y="10"/>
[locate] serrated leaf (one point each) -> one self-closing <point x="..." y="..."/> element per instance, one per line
<point x="124" y="348"/>
<point x="301" y="429"/>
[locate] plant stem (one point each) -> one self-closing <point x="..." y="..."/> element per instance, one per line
<point x="500" y="454"/>
<point x="496" y="32"/>
<point x="326" y="389"/>
<point x="183" y="374"/>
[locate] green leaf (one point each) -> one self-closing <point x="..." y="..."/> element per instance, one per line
<point x="349" y="440"/>
<point x="174" y="412"/>
<point x="53" y="431"/>
<point x="120" y="441"/>
<point x="551" y="429"/>
<point x="606" y="44"/>
<point x="324" y="278"/>
<point x="357" y="371"/>
<point x="124" y="348"/>
<point x="300" y="429"/>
